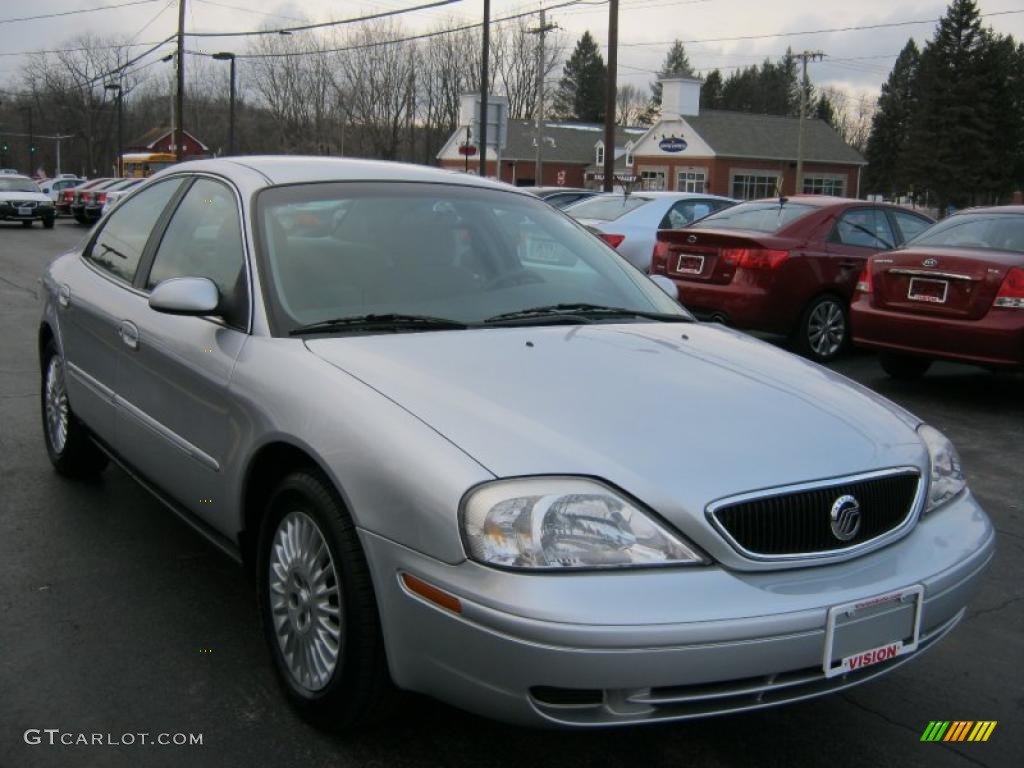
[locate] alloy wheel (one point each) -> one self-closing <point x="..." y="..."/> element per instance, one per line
<point x="56" y="401"/>
<point x="305" y="601"/>
<point x="826" y="328"/>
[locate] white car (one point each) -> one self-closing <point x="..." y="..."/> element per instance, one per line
<point x="54" y="187"/>
<point x="630" y="223"/>
<point x="113" y="196"/>
<point x="21" y="200"/>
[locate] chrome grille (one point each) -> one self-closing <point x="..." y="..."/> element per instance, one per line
<point x="796" y="521"/>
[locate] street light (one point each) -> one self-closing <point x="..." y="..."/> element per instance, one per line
<point x="120" y="124"/>
<point x="227" y="56"/>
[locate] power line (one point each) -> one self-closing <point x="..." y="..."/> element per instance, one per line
<point x="323" y="24"/>
<point x="80" y="10"/>
<point x="250" y="10"/>
<point x="887" y="25"/>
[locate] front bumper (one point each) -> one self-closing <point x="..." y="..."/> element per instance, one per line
<point x="36" y="213"/>
<point x="599" y="649"/>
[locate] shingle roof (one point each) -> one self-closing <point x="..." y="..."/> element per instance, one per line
<point x="772" y="137"/>
<point x="573" y="142"/>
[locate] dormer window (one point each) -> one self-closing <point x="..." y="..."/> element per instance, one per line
<point x="599" y="153"/>
<point x="629" y="154"/>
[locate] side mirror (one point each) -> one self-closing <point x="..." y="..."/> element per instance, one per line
<point x="185" y="296"/>
<point x="668" y="286"/>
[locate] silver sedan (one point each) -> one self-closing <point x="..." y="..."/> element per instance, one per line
<point x="406" y="401"/>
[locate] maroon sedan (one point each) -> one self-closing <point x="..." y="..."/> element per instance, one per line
<point x="954" y="293"/>
<point x="785" y="265"/>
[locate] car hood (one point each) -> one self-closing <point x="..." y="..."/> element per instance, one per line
<point x="38" y="197"/>
<point x="678" y="415"/>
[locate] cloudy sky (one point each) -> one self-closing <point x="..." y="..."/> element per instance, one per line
<point x="858" y="60"/>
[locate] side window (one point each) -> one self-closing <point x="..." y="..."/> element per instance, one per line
<point x="865" y="227"/>
<point x="120" y="243"/>
<point x="910" y="225"/>
<point x="685" y="212"/>
<point x="204" y="239"/>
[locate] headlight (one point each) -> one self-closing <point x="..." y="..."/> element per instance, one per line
<point x="947" y="477"/>
<point x="555" y="523"/>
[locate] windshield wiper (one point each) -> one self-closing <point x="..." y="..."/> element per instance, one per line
<point x="384" y="322"/>
<point x="582" y="313"/>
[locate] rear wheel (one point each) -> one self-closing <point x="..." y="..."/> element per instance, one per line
<point x="318" y="607"/>
<point x="71" y="451"/>
<point x="823" y="330"/>
<point x="904" y="367"/>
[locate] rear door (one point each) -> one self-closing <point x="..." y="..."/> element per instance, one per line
<point x="176" y="423"/>
<point x="89" y="303"/>
<point x="857" y="234"/>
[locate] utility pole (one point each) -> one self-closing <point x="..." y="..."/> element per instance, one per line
<point x="805" y="57"/>
<point x="483" y="90"/>
<point x="541" y="32"/>
<point x="609" y="97"/>
<point x="179" y="112"/>
<point x="31" y="141"/>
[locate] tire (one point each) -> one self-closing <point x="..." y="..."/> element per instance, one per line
<point x="71" y="451"/>
<point x="356" y="690"/>
<point x="27" y="223"/>
<point x="48" y="223"/>
<point x="904" y="367"/>
<point x="824" y="329"/>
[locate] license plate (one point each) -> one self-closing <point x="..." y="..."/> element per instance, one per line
<point x="25" y="211"/>
<point x="690" y="265"/>
<point x="923" y="289"/>
<point x="872" y="631"/>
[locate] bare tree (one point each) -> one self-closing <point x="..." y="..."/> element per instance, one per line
<point x="631" y="105"/>
<point x="851" y="115"/>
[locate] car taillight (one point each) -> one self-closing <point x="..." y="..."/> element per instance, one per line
<point x="101" y="197"/>
<point x="659" y="257"/>
<point x="864" y="282"/>
<point x="754" y="258"/>
<point x="613" y="240"/>
<point x="69" y="195"/>
<point x="1011" y="292"/>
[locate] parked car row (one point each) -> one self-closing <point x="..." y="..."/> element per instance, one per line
<point x="829" y="271"/>
<point x="87" y="202"/>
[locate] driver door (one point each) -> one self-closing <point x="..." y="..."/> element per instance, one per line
<point x="858" y="233"/>
<point x="177" y="422"/>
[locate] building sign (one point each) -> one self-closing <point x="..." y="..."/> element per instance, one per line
<point x="672" y="144"/>
<point x="467" y="149"/>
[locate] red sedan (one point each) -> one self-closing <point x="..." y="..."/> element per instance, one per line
<point x="785" y="265"/>
<point x="954" y="293"/>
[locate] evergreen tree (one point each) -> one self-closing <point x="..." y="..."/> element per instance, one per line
<point x="887" y="171"/>
<point x="953" y="128"/>
<point x="824" y="110"/>
<point x="581" y="91"/>
<point x="677" y="64"/>
<point x="772" y="89"/>
<point x="711" y="91"/>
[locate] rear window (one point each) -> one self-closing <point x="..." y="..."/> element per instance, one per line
<point x="606" y="208"/>
<point x="755" y="217"/>
<point x="990" y="231"/>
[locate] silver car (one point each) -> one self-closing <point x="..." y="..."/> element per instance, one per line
<point x="406" y="400"/>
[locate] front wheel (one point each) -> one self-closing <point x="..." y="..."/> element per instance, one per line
<point x="904" y="367"/>
<point x="318" y="607"/>
<point x="48" y="223"/>
<point x="823" y="330"/>
<point x="71" y="451"/>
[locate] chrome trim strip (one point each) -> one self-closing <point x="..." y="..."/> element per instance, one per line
<point x="929" y="273"/>
<point x="96" y="386"/>
<point x="831" y="555"/>
<point x="168" y="434"/>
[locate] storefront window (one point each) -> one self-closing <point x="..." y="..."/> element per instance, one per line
<point x="755" y="186"/>
<point x="824" y="185"/>
<point x="653" y="181"/>
<point x="690" y="181"/>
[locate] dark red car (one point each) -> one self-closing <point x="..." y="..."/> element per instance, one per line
<point x="70" y="197"/>
<point x="786" y="266"/>
<point x="954" y="293"/>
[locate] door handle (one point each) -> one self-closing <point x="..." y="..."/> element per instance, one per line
<point x="64" y="296"/>
<point x="129" y="334"/>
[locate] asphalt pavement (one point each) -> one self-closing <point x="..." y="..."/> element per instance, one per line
<point x="116" y="619"/>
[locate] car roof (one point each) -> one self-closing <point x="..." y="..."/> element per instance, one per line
<point x="17" y="176"/>
<point x="1018" y="209"/>
<point x="295" y="169"/>
<point x="663" y="194"/>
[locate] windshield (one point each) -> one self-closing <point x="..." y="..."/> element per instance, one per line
<point x="18" y="185"/>
<point x="463" y="254"/>
<point x="991" y="231"/>
<point x="606" y="208"/>
<point x="762" y="216"/>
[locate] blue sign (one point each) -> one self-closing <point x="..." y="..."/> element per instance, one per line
<point x="672" y="144"/>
